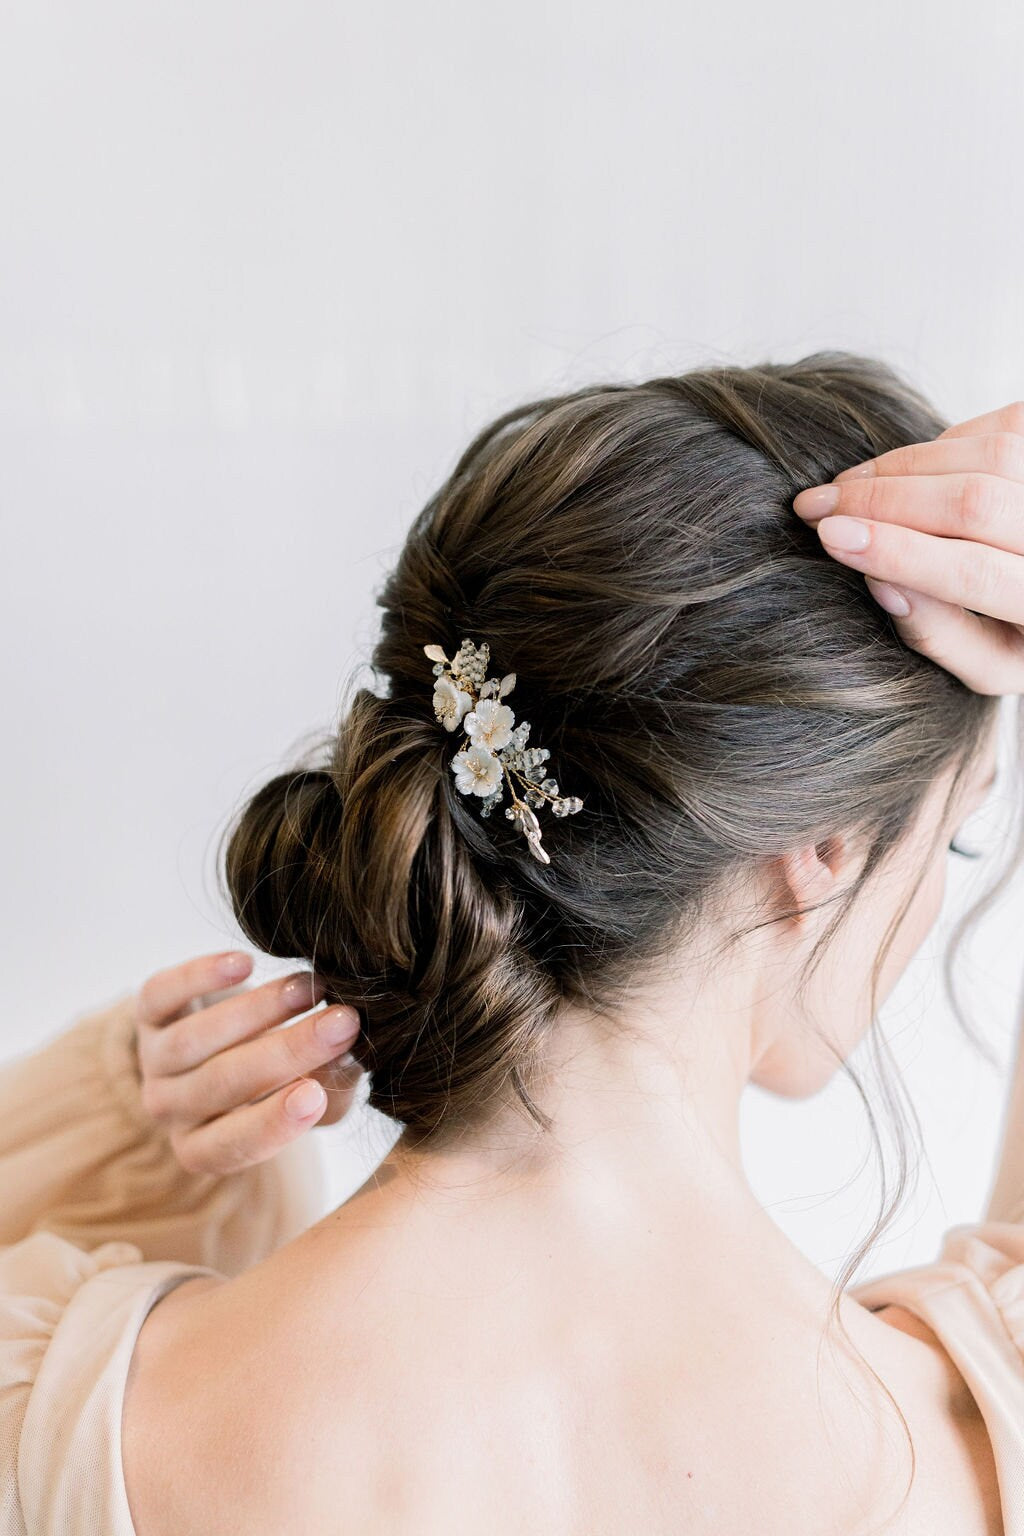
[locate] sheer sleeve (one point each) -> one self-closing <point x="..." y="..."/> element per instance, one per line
<point x="81" y="1158"/>
<point x="98" y="1221"/>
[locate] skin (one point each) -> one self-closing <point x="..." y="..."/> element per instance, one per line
<point x="396" y="1366"/>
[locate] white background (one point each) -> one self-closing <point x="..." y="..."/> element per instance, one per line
<point x="265" y="268"/>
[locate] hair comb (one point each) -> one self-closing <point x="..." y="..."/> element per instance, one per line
<point x="495" y="751"/>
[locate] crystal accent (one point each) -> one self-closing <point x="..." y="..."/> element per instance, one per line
<point x="495" y="748"/>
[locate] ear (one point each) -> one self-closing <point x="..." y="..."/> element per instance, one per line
<point x="809" y="875"/>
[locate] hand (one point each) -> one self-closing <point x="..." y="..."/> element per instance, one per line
<point x="221" y="1079"/>
<point x="938" y="530"/>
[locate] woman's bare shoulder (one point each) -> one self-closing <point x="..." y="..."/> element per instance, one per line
<point x="221" y="1381"/>
<point x="161" y="1406"/>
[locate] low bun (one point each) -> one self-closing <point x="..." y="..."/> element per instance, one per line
<point x="358" y="867"/>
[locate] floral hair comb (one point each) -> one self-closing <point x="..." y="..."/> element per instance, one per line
<point x="496" y="749"/>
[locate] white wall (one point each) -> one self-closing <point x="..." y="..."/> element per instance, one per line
<point x="264" y="268"/>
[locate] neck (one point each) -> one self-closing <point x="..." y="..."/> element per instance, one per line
<point x="644" y="1148"/>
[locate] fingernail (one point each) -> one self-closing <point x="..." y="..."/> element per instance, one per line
<point x="234" y="964"/>
<point x="847" y="534"/>
<point x="301" y="992"/>
<point x="857" y="471"/>
<point x="816" y="502"/>
<point x="305" y="1099"/>
<point x="337" y="1026"/>
<point x="888" y="597"/>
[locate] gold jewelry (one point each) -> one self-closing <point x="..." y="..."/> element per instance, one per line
<point x="496" y="748"/>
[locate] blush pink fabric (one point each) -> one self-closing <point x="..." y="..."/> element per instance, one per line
<point x="100" y="1221"/>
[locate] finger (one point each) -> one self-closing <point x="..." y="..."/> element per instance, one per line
<point x="991" y="453"/>
<point x="166" y="994"/>
<point x="987" y="509"/>
<point x="254" y="1068"/>
<point x="986" y="655"/>
<point x="953" y="570"/>
<point x="340" y="1080"/>
<point x="184" y="1043"/>
<point x="1007" y="418"/>
<point x="990" y="442"/>
<point x="249" y="1134"/>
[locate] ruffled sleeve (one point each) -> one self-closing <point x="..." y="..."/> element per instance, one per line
<point x="68" y="1325"/>
<point x="993" y="1253"/>
<point x="80" y="1157"/>
<point x="98" y="1221"/>
<point x="972" y="1297"/>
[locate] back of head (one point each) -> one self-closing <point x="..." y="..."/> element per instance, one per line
<point x="712" y="684"/>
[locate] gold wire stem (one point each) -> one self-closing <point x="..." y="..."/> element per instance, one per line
<point x="508" y="772"/>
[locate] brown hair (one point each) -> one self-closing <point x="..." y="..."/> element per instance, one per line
<point x="715" y="687"/>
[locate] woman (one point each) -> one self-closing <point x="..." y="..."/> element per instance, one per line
<point x="558" y="1305"/>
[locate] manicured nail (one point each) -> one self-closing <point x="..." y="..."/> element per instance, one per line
<point x="301" y="992"/>
<point x="234" y="964"/>
<point x="337" y="1026"/>
<point x="888" y="597"/>
<point x="305" y="1099"/>
<point x="857" y="471"/>
<point x="816" y="502"/>
<point x="846" y="534"/>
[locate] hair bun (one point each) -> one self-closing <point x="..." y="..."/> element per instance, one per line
<point x="358" y="867"/>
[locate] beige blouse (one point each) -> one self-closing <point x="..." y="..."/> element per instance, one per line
<point x="100" y="1221"/>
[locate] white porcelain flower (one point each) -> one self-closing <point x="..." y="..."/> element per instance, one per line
<point x="490" y="725"/>
<point x="450" y="703"/>
<point x="477" y="771"/>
